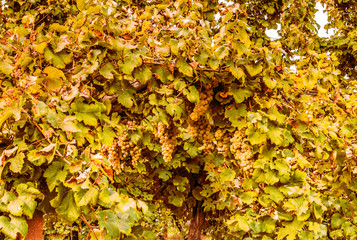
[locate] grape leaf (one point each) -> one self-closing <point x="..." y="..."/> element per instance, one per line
<point x="14" y="226"/>
<point x="143" y="74"/>
<point x="177" y="199"/>
<point x="6" y="68"/>
<point x="108" y="220"/>
<point x="254" y="69"/>
<point x="184" y="67"/>
<point x="68" y="208"/>
<point x="227" y="175"/>
<point x="17" y="162"/>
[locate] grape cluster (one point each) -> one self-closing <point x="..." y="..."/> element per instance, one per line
<point x="222" y="141"/>
<point x="121" y="149"/>
<point x="242" y="152"/>
<point x="53" y="226"/>
<point x="213" y="83"/>
<point x="201" y="130"/>
<point x="202" y="107"/>
<point x="167" y="138"/>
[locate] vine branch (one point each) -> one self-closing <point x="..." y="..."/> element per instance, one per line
<point x="47" y="139"/>
<point x="88" y="225"/>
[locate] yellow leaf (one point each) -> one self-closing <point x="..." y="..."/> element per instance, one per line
<point x="54" y="78"/>
<point x="41" y="47"/>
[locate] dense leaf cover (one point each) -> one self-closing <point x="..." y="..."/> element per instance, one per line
<point x="124" y="115"/>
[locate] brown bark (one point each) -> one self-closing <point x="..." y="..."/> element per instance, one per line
<point x="35" y="224"/>
<point x="197" y="221"/>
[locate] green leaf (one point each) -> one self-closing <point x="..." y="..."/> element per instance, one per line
<point x="202" y="57"/>
<point x="108" y="197"/>
<point x="255" y="69"/>
<point x="192" y="94"/>
<point x="6" y="114"/>
<point x="274" y="193"/>
<point x="239" y="94"/>
<point x="177" y="199"/>
<point x="298" y="205"/>
<point x="192" y="150"/>
<point x="106" y="70"/>
<point x="37" y="158"/>
<point x="281" y="165"/>
<point x="143" y="74"/>
<point x="86" y="196"/>
<point x="268" y="225"/>
<point x="238" y="223"/>
<point x="6" y="68"/>
<point x="184" y="67"/>
<point x="337" y="220"/>
<point x="275" y="134"/>
<point x="214" y="63"/>
<point x="227" y="175"/>
<point x="174" y="46"/>
<point x="164" y="174"/>
<point x="130" y="63"/>
<point x="237" y="72"/>
<point x="54" y="59"/>
<point x="243" y="223"/>
<point x="107" y="135"/>
<point x="271" y="83"/>
<point x="249" y="197"/>
<point x="58" y="28"/>
<point x="55" y="173"/>
<point x="163" y="74"/>
<point x="222" y="52"/>
<point x="126" y="99"/>
<point x="271" y="10"/>
<point x="179" y="84"/>
<point x="271" y="178"/>
<point x="275" y="115"/>
<point x="68" y="208"/>
<point x="88" y="118"/>
<point x="290" y="230"/>
<point x="175" y="110"/>
<point x="244" y="37"/>
<point x="257" y="138"/>
<point x="29" y="206"/>
<point x="265" y="201"/>
<point x="234" y="114"/>
<point x="318" y="211"/>
<point x="14" y="226"/>
<point x="110" y="221"/>
<point x="181" y="183"/>
<point x="17" y="162"/>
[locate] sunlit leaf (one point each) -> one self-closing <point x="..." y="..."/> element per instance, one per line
<point x="6" y="68"/>
<point x="184" y="67"/>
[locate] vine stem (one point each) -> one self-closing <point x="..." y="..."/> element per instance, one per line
<point x="289" y="104"/>
<point x="90" y="227"/>
<point x="3" y="16"/>
<point x="47" y="139"/>
<point x="38" y="127"/>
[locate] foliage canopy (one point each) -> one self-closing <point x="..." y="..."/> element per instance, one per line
<point x="118" y="114"/>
